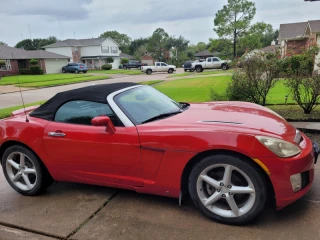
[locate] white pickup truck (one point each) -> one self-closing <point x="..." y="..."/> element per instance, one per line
<point x="211" y="63"/>
<point x="158" y="67"/>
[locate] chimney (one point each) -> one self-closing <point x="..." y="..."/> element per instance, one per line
<point x="273" y="43"/>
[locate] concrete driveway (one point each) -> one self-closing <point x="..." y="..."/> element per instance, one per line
<point x="75" y="211"/>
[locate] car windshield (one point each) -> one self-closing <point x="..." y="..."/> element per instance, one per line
<point x="145" y="104"/>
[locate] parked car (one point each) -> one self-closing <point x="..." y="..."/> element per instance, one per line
<point x="188" y="66"/>
<point x="211" y="63"/>
<point x="158" y="67"/>
<point x="75" y="68"/>
<point x="133" y="64"/>
<point x="225" y="155"/>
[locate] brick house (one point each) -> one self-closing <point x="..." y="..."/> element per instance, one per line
<point x="16" y="59"/>
<point x="295" y="38"/>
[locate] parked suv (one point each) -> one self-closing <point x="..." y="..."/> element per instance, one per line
<point x="188" y="66"/>
<point x="75" y="68"/>
<point x="133" y="64"/>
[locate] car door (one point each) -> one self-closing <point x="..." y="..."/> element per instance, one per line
<point x="158" y="67"/>
<point x="209" y="63"/>
<point x="216" y="63"/>
<point x="164" y="67"/>
<point x="68" y="67"/>
<point x="84" y="151"/>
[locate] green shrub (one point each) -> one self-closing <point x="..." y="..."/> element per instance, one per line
<point x="34" y="61"/>
<point x="24" y="71"/>
<point x="106" y="66"/>
<point x="110" y="60"/>
<point x="36" y="70"/>
<point x="214" y="96"/>
<point x="2" y="63"/>
<point x="124" y="60"/>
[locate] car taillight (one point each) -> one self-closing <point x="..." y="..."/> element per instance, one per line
<point x="81" y="66"/>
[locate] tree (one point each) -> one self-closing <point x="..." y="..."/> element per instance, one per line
<point x="157" y="43"/>
<point x="222" y="46"/>
<point x="201" y="46"/>
<point x="136" y="44"/>
<point x="179" y="43"/>
<point x="110" y="60"/>
<point x="122" y="39"/>
<point x="124" y="60"/>
<point x="140" y="51"/>
<point x="3" y="43"/>
<point x="35" y="44"/>
<point x="264" y="31"/>
<point x="234" y="19"/>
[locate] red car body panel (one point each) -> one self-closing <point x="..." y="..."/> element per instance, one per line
<point x="151" y="157"/>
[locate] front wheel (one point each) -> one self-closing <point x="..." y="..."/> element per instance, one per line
<point x="228" y="189"/>
<point x="76" y="71"/>
<point x="124" y="67"/>
<point x="64" y="71"/>
<point x="170" y="71"/>
<point x="24" y="171"/>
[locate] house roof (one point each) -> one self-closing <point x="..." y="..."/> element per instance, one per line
<point x="7" y="52"/>
<point x="271" y="48"/>
<point x="124" y="55"/>
<point x="315" y="26"/>
<point x="203" y="54"/>
<point x="292" y="30"/>
<point x="77" y="42"/>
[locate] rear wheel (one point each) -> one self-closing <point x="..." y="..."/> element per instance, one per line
<point x="228" y="189"/>
<point x="124" y="67"/>
<point x="63" y="70"/>
<point x="199" y="69"/>
<point x="76" y="71"/>
<point x="170" y="71"/>
<point x="24" y="171"/>
<point x="185" y="70"/>
<point x="149" y="71"/>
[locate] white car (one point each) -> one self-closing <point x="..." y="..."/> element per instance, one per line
<point x="158" y="67"/>
<point x="211" y="63"/>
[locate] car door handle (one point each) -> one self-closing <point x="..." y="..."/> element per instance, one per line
<point x="56" y="134"/>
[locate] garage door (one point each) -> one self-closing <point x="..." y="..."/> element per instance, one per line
<point x="116" y="63"/>
<point x="55" y="65"/>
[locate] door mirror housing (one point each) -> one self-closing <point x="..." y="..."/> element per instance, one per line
<point x="104" y="121"/>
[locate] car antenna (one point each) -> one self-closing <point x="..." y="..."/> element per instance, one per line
<point x="24" y="108"/>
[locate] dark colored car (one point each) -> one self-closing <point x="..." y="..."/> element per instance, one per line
<point x="75" y="68"/>
<point x="188" y="66"/>
<point x="133" y="64"/>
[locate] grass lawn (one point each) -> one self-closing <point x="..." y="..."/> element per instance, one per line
<point x="6" y="112"/>
<point x="151" y="82"/>
<point x="208" y="72"/>
<point x="293" y="112"/>
<point x="198" y="89"/>
<point x="63" y="81"/>
<point x="117" y="71"/>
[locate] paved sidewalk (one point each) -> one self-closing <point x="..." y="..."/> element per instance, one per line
<point x="307" y="125"/>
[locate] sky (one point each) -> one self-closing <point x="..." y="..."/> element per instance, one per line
<point x="139" y="18"/>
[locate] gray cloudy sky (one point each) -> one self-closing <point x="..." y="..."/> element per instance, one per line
<point x="88" y="18"/>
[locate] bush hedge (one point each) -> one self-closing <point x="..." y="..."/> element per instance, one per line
<point x="36" y="70"/>
<point x="24" y="71"/>
<point x="2" y="63"/>
<point x="34" y="61"/>
<point x="106" y="66"/>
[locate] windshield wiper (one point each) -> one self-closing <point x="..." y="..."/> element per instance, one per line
<point x="163" y="115"/>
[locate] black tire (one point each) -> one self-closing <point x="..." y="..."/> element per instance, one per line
<point x="64" y="71"/>
<point x="199" y="69"/>
<point x="124" y="67"/>
<point x="149" y="71"/>
<point x="44" y="179"/>
<point x="224" y="67"/>
<point x="76" y="71"/>
<point x="185" y="70"/>
<point x="254" y="174"/>
<point x="170" y="71"/>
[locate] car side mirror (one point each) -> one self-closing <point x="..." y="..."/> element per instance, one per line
<point x="104" y="121"/>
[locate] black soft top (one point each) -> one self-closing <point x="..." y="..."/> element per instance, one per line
<point x="94" y="93"/>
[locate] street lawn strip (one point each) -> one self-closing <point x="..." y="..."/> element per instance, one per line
<point x="198" y="89"/>
<point x="187" y="74"/>
<point x="14" y="80"/>
<point x="116" y="71"/>
<point x="151" y="82"/>
<point x="62" y="82"/>
<point x="6" y="112"/>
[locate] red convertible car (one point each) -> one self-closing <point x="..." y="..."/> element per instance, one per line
<point x="230" y="157"/>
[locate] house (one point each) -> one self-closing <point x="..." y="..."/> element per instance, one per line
<point x="93" y="51"/>
<point x="273" y="48"/>
<point x="18" y="59"/>
<point x="204" y="54"/>
<point x="147" y="59"/>
<point x="297" y="37"/>
<point x="127" y="56"/>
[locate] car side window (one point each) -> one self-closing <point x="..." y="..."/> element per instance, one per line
<point x="164" y="65"/>
<point x="215" y="59"/>
<point x="209" y="60"/>
<point x="82" y="112"/>
<point x="158" y="64"/>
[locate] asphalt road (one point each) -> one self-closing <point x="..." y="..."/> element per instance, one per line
<point x="87" y="212"/>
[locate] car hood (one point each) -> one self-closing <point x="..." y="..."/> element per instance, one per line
<point x="232" y="117"/>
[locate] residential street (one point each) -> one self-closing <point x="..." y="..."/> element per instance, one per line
<point x="90" y="212"/>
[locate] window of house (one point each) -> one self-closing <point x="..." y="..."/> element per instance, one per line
<point x="82" y="112"/>
<point x="114" y="49"/>
<point x="6" y="67"/>
<point x="104" y="49"/>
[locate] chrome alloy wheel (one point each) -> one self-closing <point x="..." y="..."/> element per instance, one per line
<point x="226" y="190"/>
<point x="21" y="171"/>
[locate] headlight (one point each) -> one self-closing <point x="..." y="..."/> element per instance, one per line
<point x="279" y="147"/>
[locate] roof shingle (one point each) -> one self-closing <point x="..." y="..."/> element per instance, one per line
<point x="292" y="30"/>
<point x="77" y="42"/>
<point x="315" y="26"/>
